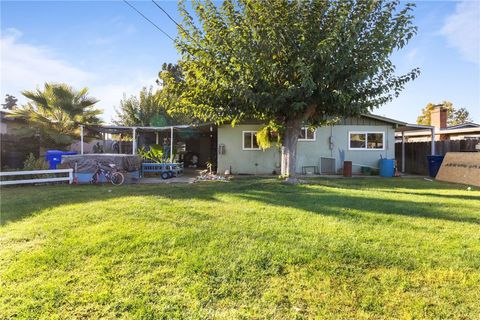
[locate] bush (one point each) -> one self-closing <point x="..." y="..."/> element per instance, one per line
<point x="31" y="163"/>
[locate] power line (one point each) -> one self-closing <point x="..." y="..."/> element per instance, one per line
<point x="160" y="29"/>
<point x="169" y="16"/>
<point x="178" y="25"/>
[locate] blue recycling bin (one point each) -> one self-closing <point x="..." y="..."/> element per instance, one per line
<point x="54" y="157"/>
<point x="434" y="163"/>
<point x="387" y="167"/>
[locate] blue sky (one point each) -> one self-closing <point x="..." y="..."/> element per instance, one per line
<point x="109" y="48"/>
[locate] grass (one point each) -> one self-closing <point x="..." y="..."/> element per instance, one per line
<point x="248" y="249"/>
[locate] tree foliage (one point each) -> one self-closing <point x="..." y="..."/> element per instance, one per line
<point x="454" y="116"/>
<point x="55" y="114"/>
<point x="289" y="62"/>
<point x="459" y="116"/>
<point x="141" y="111"/>
<point x="150" y="108"/>
<point x="10" y="102"/>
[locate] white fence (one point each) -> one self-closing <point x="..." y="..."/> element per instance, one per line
<point x="68" y="178"/>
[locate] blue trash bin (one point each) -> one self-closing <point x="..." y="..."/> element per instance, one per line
<point x="434" y="163"/>
<point x="54" y="157"/>
<point x="387" y="167"/>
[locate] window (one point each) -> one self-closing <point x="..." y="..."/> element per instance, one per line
<point x="250" y="140"/>
<point x="307" y="134"/>
<point x="366" y="140"/>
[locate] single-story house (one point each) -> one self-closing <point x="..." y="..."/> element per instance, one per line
<point x="363" y="140"/>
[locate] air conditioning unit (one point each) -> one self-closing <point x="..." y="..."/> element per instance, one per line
<point x="327" y="165"/>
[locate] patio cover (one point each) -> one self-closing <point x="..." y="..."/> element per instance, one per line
<point x="136" y="129"/>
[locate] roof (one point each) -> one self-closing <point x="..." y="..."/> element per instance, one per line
<point x="121" y="129"/>
<point x="419" y="133"/>
<point x="384" y="119"/>
<point x="463" y="125"/>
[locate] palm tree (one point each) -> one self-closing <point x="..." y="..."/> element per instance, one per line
<point x="56" y="113"/>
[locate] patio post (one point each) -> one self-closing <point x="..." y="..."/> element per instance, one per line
<point x="134" y="143"/>
<point x="156" y="138"/>
<point x="171" y="144"/>
<point x="81" y="139"/>
<point x="120" y="144"/>
<point x="403" y="151"/>
<point x="103" y="141"/>
<point x="433" y="142"/>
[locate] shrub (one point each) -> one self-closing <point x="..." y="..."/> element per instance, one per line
<point x="31" y="163"/>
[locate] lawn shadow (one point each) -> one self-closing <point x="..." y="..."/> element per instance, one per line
<point x="21" y="202"/>
<point x="342" y="205"/>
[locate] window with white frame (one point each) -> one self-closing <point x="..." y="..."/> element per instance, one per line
<point x="250" y="140"/>
<point x="307" y="134"/>
<point x="366" y="140"/>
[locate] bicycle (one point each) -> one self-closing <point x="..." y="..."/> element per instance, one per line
<point x="113" y="176"/>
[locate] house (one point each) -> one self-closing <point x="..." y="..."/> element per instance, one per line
<point x="438" y="119"/>
<point x="363" y="140"/>
<point x="15" y="149"/>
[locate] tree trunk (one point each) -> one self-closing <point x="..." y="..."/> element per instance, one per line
<point x="289" y="150"/>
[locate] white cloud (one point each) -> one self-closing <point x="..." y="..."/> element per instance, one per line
<point x="25" y="67"/>
<point x="462" y="30"/>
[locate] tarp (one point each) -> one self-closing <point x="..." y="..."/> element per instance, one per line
<point x="87" y="163"/>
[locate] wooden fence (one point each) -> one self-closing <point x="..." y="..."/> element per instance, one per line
<point x="416" y="152"/>
<point x="68" y="178"/>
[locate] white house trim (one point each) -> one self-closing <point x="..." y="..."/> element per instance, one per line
<point x="243" y="140"/>
<point x="366" y="140"/>
<point x="305" y="129"/>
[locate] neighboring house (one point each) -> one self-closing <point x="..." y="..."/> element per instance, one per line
<point x="439" y="116"/>
<point x="14" y="150"/>
<point x="363" y="140"/>
<point x="8" y="125"/>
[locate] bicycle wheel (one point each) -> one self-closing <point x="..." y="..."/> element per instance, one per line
<point x="117" y="178"/>
<point x="95" y="178"/>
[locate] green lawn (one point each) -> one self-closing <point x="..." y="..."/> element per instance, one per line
<point x="248" y="249"/>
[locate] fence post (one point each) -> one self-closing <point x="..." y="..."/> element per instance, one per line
<point x="433" y="142"/>
<point x="70" y="176"/>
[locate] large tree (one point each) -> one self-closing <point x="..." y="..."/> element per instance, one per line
<point x="454" y="116"/>
<point x="290" y="63"/>
<point x="55" y="114"/>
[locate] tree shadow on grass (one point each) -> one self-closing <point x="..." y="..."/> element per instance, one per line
<point x="351" y="207"/>
<point x="445" y="196"/>
<point x="19" y="203"/>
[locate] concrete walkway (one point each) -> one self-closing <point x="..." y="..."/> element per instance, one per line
<point x="188" y="176"/>
<point x="155" y="180"/>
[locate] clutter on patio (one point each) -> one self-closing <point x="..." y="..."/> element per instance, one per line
<point x="212" y="177"/>
<point x="85" y="166"/>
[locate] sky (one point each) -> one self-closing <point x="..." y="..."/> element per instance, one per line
<point x="109" y="48"/>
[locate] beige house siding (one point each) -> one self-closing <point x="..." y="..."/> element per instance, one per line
<point x="241" y="161"/>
